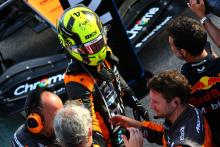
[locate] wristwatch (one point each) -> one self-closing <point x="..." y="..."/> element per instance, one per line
<point x="203" y="20"/>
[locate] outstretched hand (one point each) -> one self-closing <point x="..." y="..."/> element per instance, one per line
<point x="136" y="138"/>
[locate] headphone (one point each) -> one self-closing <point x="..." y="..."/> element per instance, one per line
<point x="34" y="123"/>
<point x="34" y="120"/>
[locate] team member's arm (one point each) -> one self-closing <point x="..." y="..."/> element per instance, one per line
<point x="199" y="10"/>
<point x="151" y="131"/>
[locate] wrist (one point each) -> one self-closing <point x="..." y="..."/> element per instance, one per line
<point x="136" y="124"/>
<point x="199" y="14"/>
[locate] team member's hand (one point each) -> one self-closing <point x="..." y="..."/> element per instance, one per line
<point x="197" y="8"/>
<point x="124" y="121"/>
<point x="135" y="140"/>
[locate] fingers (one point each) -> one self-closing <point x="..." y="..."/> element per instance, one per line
<point x="140" y="137"/>
<point x="134" y="133"/>
<point x="125" y="140"/>
<point x="194" y="2"/>
<point x="188" y="4"/>
<point x="201" y="2"/>
<point x="136" y="138"/>
<point x="191" y="3"/>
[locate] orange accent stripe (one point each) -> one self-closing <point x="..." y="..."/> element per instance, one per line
<point x="103" y="127"/>
<point x="153" y="126"/>
<point x="107" y="64"/>
<point x="164" y="141"/>
<point x="88" y="82"/>
<point x="83" y="79"/>
<point x="208" y="142"/>
<point x="95" y="120"/>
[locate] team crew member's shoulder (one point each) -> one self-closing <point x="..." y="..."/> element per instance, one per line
<point x="22" y="138"/>
<point x="190" y="128"/>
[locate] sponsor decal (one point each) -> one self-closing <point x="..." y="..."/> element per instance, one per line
<point x="208" y="96"/>
<point x="157" y="28"/>
<point x="198" y="123"/>
<point x="90" y="35"/>
<point x="140" y="24"/>
<point x="199" y="70"/>
<point x="182" y="133"/>
<point x="84" y="24"/>
<point x="25" y="88"/>
<point x="205" y="83"/>
<point x="212" y="107"/>
<point x="197" y="64"/>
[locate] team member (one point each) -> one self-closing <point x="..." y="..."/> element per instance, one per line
<point x="187" y="39"/>
<point x="40" y="108"/>
<point x="73" y="126"/>
<point x="184" y="125"/>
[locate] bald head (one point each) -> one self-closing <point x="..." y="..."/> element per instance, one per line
<point x="50" y="103"/>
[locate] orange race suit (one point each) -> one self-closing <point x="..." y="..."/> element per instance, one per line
<point x="189" y="130"/>
<point x="204" y="78"/>
<point x="104" y="92"/>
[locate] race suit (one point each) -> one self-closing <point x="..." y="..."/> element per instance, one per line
<point x="103" y="91"/>
<point x="190" y="129"/>
<point x="204" y="78"/>
<point x="23" y="138"/>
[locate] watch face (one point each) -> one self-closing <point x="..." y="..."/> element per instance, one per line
<point x="203" y="20"/>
